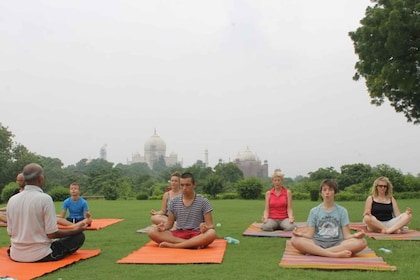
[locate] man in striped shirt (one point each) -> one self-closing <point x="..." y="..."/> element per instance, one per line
<point x="193" y="216"/>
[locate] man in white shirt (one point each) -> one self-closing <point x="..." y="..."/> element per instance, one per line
<point x="32" y="223"/>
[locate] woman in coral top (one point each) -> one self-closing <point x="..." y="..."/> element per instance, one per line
<point x="278" y="211"/>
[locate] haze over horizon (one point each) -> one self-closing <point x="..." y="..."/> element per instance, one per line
<point x="221" y="75"/>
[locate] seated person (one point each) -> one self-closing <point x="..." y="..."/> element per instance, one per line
<point x="21" y="183"/>
<point x="382" y="213"/>
<point x="327" y="233"/>
<point x="278" y="211"/>
<point x="32" y="223"/>
<point x="161" y="216"/>
<point x="77" y="206"/>
<point x="193" y="214"/>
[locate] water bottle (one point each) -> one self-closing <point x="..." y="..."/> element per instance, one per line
<point x="385" y="250"/>
<point x="231" y="240"/>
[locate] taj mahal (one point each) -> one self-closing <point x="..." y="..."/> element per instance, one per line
<point x="155" y="150"/>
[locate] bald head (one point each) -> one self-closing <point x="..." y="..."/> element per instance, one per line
<point x="33" y="174"/>
<point x="20" y="180"/>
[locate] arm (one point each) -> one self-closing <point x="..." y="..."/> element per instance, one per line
<point x="267" y="207"/>
<point x="164" y="206"/>
<point x="67" y="232"/>
<point x="62" y="214"/>
<point x="290" y="207"/>
<point x="169" y="223"/>
<point x="395" y="207"/>
<point x="307" y="232"/>
<point x="208" y="222"/>
<point x="347" y="234"/>
<point x="368" y="206"/>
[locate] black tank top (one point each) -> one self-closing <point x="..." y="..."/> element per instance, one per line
<point x="382" y="211"/>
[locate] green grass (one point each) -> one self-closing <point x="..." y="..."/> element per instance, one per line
<point x="253" y="258"/>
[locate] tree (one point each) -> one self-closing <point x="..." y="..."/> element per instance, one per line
<point x="229" y="172"/>
<point x="213" y="186"/>
<point x="249" y="188"/>
<point x="388" y="45"/>
<point x="353" y="174"/>
<point x="323" y="173"/>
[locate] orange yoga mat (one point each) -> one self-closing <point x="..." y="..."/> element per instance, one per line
<point x="22" y="271"/>
<point x="98" y="223"/>
<point x="151" y="253"/>
<point x="408" y="234"/>
<point x="364" y="260"/>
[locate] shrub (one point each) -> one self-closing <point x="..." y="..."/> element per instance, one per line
<point x="250" y="188"/>
<point x="227" y="196"/>
<point x="59" y="193"/>
<point x="110" y="193"/>
<point x="314" y="194"/>
<point x="142" y="196"/>
<point x="300" y="196"/>
<point x="8" y="191"/>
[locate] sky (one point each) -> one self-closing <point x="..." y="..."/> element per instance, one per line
<point x="274" y="77"/>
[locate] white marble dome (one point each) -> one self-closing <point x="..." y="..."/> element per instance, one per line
<point x="246" y="156"/>
<point x="155" y="143"/>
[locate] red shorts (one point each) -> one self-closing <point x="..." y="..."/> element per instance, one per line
<point x="186" y="233"/>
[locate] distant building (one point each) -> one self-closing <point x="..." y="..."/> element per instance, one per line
<point x="102" y="153"/>
<point x="251" y="165"/>
<point x="155" y="149"/>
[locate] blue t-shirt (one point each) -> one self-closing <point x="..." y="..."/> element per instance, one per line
<point x="328" y="225"/>
<point x="76" y="209"/>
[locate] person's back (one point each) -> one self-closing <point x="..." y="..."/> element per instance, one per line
<point x="28" y="226"/>
<point x="32" y="223"/>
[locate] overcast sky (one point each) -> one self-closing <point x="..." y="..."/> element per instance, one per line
<point x="224" y="75"/>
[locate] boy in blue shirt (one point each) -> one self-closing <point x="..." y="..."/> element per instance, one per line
<point x="77" y="207"/>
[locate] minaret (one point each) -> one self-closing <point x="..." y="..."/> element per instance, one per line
<point x="206" y="157"/>
<point x="102" y="152"/>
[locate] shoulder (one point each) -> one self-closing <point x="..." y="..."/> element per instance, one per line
<point x="369" y="198"/>
<point x="315" y="209"/>
<point x="200" y="197"/>
<point x="341" y="208"/>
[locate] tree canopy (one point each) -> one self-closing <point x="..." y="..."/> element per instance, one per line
<point x="388" y="44"/>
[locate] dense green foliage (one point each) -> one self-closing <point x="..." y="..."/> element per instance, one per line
<point x="388" y="45"/>
<point x="99" y="177"/>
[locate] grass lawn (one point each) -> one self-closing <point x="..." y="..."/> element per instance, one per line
<point x="253" y="258"/>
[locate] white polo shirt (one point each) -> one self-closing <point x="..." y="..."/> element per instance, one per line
<point x="30" y="217"/>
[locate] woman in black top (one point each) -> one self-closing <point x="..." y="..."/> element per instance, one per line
<point x="381" y="209"/>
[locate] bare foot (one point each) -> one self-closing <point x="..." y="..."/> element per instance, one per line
<point x="166" y="245"/>
<point x="343" y="254"/>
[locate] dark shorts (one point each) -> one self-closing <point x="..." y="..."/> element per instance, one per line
<point x="62" y="247"/>
<point x="185" y="233"/>
<point x="74" y="220"/>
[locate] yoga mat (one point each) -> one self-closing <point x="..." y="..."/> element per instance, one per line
<point x="22" y="271"/>
<point x="97" y="224"/>
<point x="364" y="260"/>
<point x="255" y="230"/>
<point x="151" y="253"/>
<point x="409" y="234"/>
